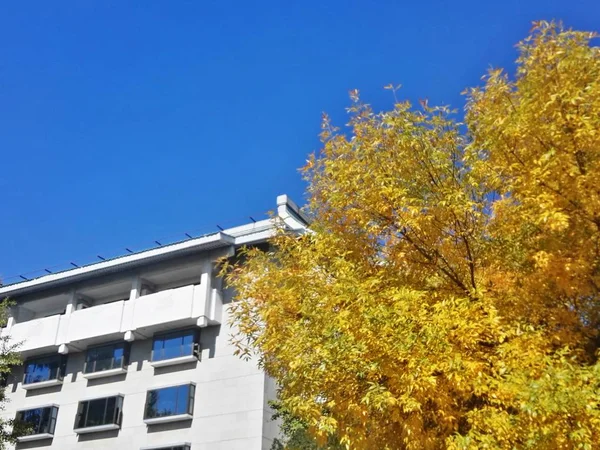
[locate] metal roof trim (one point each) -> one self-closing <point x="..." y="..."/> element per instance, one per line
<point x="203" y="243"/>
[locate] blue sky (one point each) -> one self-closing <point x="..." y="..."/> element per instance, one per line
<point x="126" y="122"/>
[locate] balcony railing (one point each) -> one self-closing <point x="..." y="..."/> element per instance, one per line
<point x="44" y="372"/>
<point x="36" y="333"/>
<point x="100" y="365"/>
<point x="98" y="320"/>
<point x="184" y="306"/>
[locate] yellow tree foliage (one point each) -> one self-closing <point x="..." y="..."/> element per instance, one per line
<point x="448" y="293"/>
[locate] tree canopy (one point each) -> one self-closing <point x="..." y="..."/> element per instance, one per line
<point x="447" y="294"/>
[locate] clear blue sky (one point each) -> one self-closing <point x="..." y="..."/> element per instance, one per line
<point x="125" y="122"/>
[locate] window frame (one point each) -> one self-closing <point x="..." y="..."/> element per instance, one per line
<point x="60" y="370"/>
<point x="190" y="401"/>
<point x="51" y="424"/>
<point x="195" y="332"/>
<point x="124" y="360"/>
<point x="117" y="414"/>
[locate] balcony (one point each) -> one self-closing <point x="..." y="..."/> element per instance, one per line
<point x="172" y="305"/>
<point x="102" y="320"/>
<point x="183" y="306"/>
<point x="37" y="334"/>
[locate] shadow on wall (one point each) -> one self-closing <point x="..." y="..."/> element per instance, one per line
<point x="140" y="352"/>
<point x="98" y="436"/>
<point x="176" y="368"/>
<point x="228" y="294"/>
<point x="43" y="391"/>
<point x="159" y="427"/>
<point x="33" y="444"/>
<point x="208" y="339"/>
<point x="14" y="378"/>
<point x="107" y="380"/>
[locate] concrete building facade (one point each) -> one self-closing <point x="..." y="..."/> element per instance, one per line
<point x="134" y="352"/>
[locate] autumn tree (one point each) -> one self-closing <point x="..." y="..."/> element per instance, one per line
<point x="447" y="294"/>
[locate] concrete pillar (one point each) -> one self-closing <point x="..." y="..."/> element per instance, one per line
<point x="72" y="304"/>
<point x="136" y="287"/>
<point x="202" y="295"/>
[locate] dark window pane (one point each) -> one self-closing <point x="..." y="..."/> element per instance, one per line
<point x="168" y="401"/>
<point x="118" y="356"/>
<point x="192" y="393"/>
<point x="102" y="411"/>
<point x="39" y="420"/>
<point x="157" y="350"/>
<point x="95" y="412"/>
<point x="105" y="358"/>
<point x="45" y="420"/>
<point x="32" y="418"/>
<point x="151" y="400"/>
<point x="111" y="406"/>
<point x="53" y="416"/>
<point x="187" y="345"/>
<point x="173" y="345"/>
<point x="81" y="415"/>
<point x="42" y="369"/>
<point x="182" y="399"/>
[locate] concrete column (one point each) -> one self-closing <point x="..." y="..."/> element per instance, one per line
<point x="204" y="291"/>
<point x="72" y="304"/>
<point x="136" y="287"/>
<point x="129" y="332"/>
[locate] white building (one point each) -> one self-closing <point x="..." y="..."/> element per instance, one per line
<point x="134" y="352"/>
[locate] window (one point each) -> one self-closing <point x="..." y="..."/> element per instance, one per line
<point x="106" y="357"/>
<point x="98" y="412"/>
<point x="45" y="369"/>
<point x="170" y="401"/>
<point x="175" y="345"/>
<point x="38" y="420"/>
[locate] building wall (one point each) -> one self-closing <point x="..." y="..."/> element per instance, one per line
<point x="126" y="298"/>
<point x="231" y="402"/>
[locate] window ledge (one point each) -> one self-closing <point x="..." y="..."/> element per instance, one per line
<point x="35" y="437"/>
<point x="167" y="419"/>
<point x="104" y="373"/>
<point x="97" y="429"/>
<point x="163" y="446"/>
<point x="42" y="384"/>
<point x="174" y="361"/>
